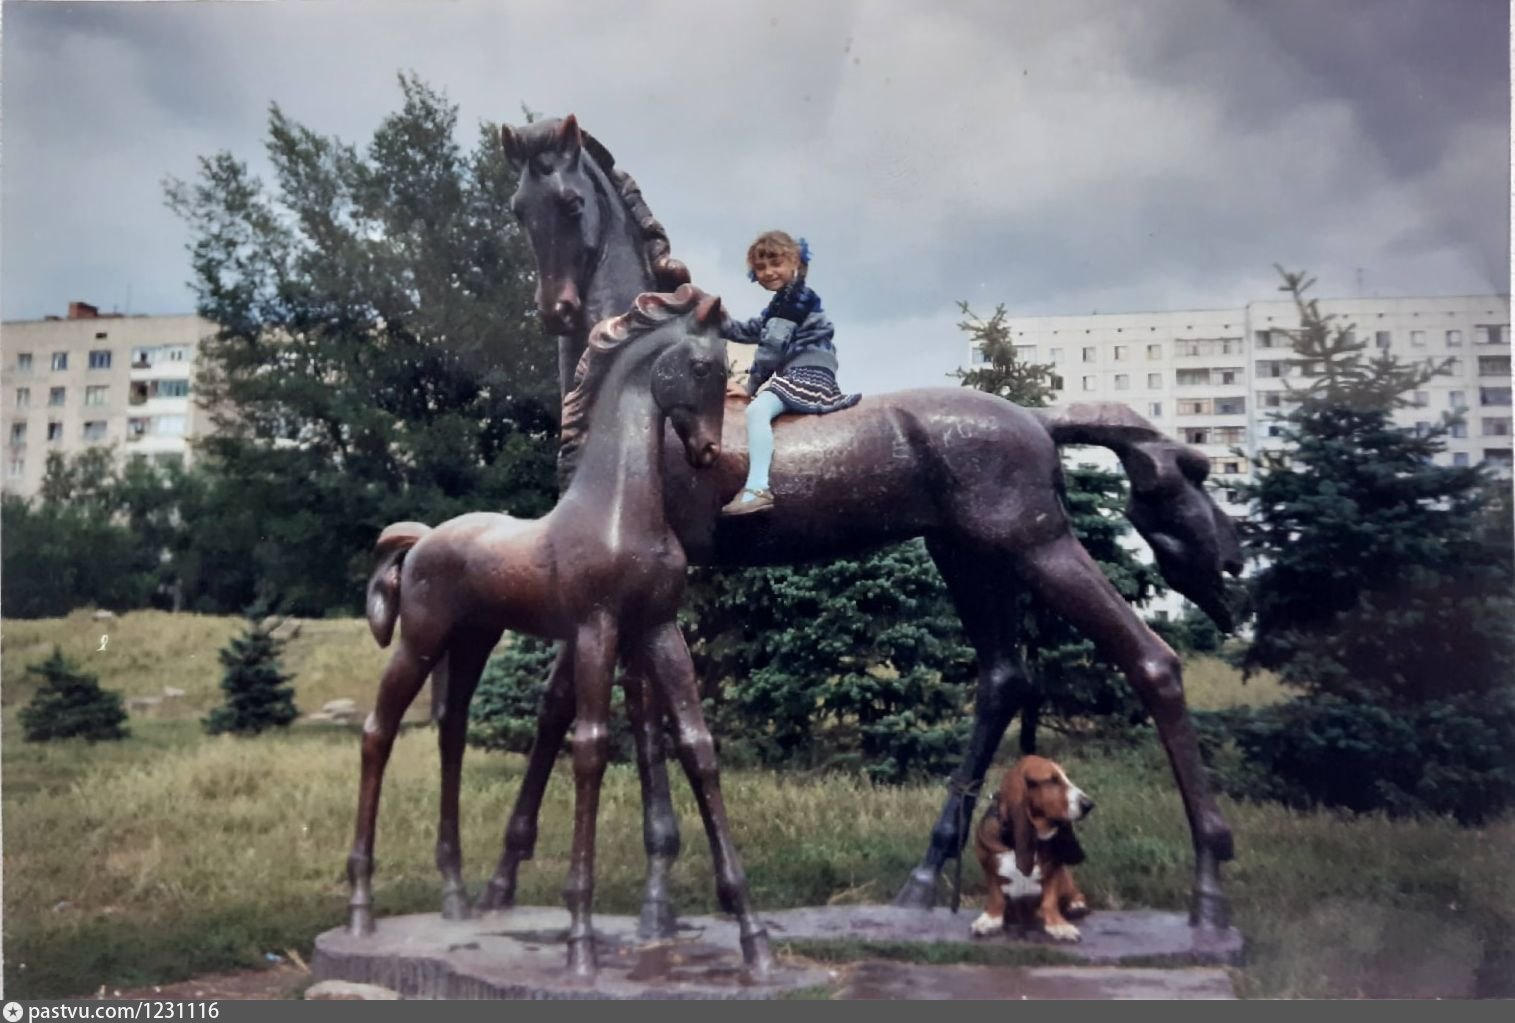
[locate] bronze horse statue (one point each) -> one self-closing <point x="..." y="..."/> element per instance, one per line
<point x="978" y="477"/>
<point x="602" y="572"/>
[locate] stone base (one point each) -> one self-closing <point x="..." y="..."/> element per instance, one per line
<point x="522" y="953"/>
<point x="1109" y="937"/>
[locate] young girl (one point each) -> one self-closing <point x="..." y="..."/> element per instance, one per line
<point x="795" y="365"/>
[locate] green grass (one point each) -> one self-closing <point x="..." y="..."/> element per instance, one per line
<point x="174" y="853"/>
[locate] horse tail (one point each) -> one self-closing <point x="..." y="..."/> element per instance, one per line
<point x="1192" y="539"/>
<point x="384" y="585"/>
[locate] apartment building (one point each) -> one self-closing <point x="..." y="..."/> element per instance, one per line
<point x="92" y="379"/>
<point x="1217" y="378"/>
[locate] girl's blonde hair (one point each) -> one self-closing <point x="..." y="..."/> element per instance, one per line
<point x="776" y="243"/>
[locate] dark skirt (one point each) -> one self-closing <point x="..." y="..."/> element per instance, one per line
<point x="810" y="389"/>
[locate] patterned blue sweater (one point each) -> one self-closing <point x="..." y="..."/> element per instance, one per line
<point x="793" y="331"/>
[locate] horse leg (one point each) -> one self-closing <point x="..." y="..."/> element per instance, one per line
<point x="593" y="668"/>
<point x="521" y="829"/>
<point x="660" y="825"/>
<point x="985" y="599"/>
<point x="462" y="666"/>
<point x="668" y="663"/>
<point x="402" y="679"/>
<point x="1071" y="583"/>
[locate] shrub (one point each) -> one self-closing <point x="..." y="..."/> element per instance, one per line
<point x="257" y="697"/>
<point x="1453" y="756"/>
<point x="71" y="705"/>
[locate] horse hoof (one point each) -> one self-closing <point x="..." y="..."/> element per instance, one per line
<point x="919" y="892"/>
<point x="658" y="920"/>
<point x="360" y="921"/>
<point x="455" y="906"/>
<point x="495" y="896"/>
<point x="581" y="958"/>
<point x="757" y="956"/>
<point x="1209" y="909"/>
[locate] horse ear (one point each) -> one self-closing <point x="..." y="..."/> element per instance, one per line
<point x="711" y="314"/>
<point x="570" y="136"/>
<point x="512" y="144"/>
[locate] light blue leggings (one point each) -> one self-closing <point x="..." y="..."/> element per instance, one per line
<point x="760" y="415"/>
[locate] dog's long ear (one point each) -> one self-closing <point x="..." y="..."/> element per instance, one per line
<point x="1065" y="847"/>
<point x="1017" y="813"/>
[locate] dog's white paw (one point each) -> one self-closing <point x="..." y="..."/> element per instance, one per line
<point x="1063" y="932"/>
<point x="986" y="924"/>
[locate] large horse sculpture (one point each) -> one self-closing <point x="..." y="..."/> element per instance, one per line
<point x="602" y="571"/>
<point x="978" y="477"/>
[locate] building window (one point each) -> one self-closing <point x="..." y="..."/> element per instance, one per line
<point x="1460" y="459"/>
<point x="1055" y="381"/>
<point x="1490" y="334"/>
<point x="1272" y="399"/>
<point x="1154" y="351"/>
<point x="1193" y="377"/>
<point x="1091" y="383"/>
<point x="1498" y="457"/>
<point x="1454" y="338"/>
<point x="170" y="389"/>
<point x="1422" y="399"/>
<point x="1457" y="399"/>
<point x="1230" y="376"/>
<point x="1195" y="407"/>
<point x="1274" y="430"/>
<point x="142" y="358"/>
<point x="23" y="397"/>
<point x="55" y="396"/>
<point x="169" y="426"/>
<point x="1088" y="354"/>
<point x="1120" y="353"/>
<point x="23" y="362"/>
<point x="1493" y="396"/>
<point x="980" y="356"/>
<point x="1418" y="338"/>
<point x="54" y="432"/>
<point x="1154" y="381"/>
<point x="1383" y="338"/>
<point x="60" y="360"/>
<point x="99" y="358"/>
<point x="1155" y="408"/>
<point x="1122" y="382"/>
<point x="1454" y="366"/>
<point x="1230" y="434"/>
<point x="136" y="428"/>
<point x="16" y="469"/>
<point x="94" y="430"/>
<point x="1457" y="429"/>
<point x="1496" y="427"/>
<point x="1493" y="365"/>
<point x="1230" y="406"/>
<point x="1422" y="428"/>
<point x="94" y="395"/>
<point x="1272" y="368"/>
<point x="177" y="353"/>
<point x="1055" y="355"/>
<point x="1196" y="435"/>
<point x="1025" y="353"/>
<point x="18" y="433"/>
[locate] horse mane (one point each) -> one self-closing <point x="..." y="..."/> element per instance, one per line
<point x="649" y="311"/>
<point x="669" y="273"/>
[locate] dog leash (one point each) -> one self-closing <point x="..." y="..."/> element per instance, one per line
<point x="963" y="794"/>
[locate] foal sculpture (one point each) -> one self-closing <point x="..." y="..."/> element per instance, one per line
<point x="602" y="571"/>
<point x="976" y="476"/>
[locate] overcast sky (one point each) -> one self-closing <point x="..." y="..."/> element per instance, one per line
<point x="1059" y="157"/>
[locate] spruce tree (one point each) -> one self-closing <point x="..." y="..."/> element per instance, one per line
<point x="257" y="697"/>
<point x="1384" y="591"/>
<point x="71" y="705"/>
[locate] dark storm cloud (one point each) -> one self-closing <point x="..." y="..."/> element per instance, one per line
<point x="1057" y="158"/>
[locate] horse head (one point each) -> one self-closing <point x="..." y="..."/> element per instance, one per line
<point x="678" y="337"/>
<point x="556" y="202"/>
<point x="1193" y="541"/>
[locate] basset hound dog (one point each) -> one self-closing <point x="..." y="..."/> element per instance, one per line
<point x="1026" y="845"/>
